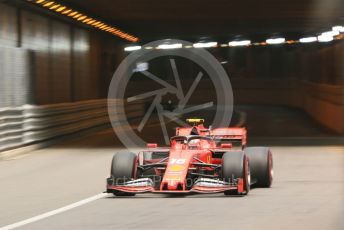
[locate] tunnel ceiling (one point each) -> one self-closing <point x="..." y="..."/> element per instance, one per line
<point x="217" y="19"/>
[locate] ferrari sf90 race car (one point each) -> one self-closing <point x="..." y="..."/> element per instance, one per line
<point x="199" y="160"/>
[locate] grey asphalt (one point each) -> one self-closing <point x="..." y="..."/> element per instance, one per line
<point x="307" y="193"/>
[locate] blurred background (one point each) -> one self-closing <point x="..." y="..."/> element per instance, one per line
<point x="285" y="61"/>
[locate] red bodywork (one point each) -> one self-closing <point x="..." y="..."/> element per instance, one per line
<point x="218" y="133"/>
<point x="192" y="163"/>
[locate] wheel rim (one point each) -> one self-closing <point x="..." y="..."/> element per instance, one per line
<point x="248" y="176"/>
<point x="271" y="168"/>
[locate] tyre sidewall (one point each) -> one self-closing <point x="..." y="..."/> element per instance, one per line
<point x="236" y="164"/>
<point x="261" y="165"/>
<point x="123" y="166"/>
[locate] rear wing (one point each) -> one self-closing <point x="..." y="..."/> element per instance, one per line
<point x="229" y="134"/>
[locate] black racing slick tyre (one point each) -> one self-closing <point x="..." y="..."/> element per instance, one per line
<point x="236" y="165"/>
<point x="123" y="168"/>
<point x="261" y="165"/>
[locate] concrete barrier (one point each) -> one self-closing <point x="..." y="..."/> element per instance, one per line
<point x="29" y="124"/>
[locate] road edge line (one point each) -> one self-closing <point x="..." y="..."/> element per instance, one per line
<point x="54" y="212"/>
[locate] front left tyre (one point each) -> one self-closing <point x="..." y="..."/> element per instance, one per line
<point x="235" y="165"/>
<point x="261" y="164"/>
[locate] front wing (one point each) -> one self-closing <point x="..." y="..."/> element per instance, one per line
<point x="203" y="185"/>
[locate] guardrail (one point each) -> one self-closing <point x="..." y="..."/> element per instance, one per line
<point x="28" y="124"/>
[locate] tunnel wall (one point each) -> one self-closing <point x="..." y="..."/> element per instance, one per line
<point x="314" y="62"/>
<point x="323" y="102"/>
<point x="306" y="76"/>
<point x="65" y="62"/>
<point x="46" y="61"/>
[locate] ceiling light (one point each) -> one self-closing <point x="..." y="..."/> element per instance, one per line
<point x="91" y="22"/>
<point x="330" y="33"/>
<point x="82" y="18"/>
<point x="73" y="13"/>
<point x="274" y="41"/>
<point x="308" y="39"/>
<point x="102" y="27"/>
<point x="325" y="38"/>
<point x="48" y="4"/>
<point x="338" y="28"/>
<point x="54" y="6"/>
<point x="96" y="23"/>
<point x="240" y="43"/>
<point x="132" y="48"/>
<point x="60" y="8"/>
<point x="170" y="46"/>
<point x="87" y="20"/>
<point x="66" y="11"/>
<point x="205" y="44"/>
<point x="77" y="16"/>
<point x="291" y="42"/>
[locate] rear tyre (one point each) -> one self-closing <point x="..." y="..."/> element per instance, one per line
<point x="261" y="164"/>
<point x="236" y="165"/>
<point x="123" y="168"/>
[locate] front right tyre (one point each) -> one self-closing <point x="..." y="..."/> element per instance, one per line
<point x="123" y="168"/>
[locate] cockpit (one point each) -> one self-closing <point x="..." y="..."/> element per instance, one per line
<point x="192" y="142"/>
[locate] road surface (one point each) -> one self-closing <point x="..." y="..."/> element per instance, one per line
<point x="307" y="193"/>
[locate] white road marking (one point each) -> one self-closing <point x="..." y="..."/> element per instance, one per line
<point x="54" y="212"/>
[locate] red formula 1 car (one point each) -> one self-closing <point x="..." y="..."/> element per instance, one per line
<point x="199" y="160"/>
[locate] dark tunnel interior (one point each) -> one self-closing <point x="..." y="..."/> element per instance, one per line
<point x="293" y="89"/>
<point x="184" y="114"/>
